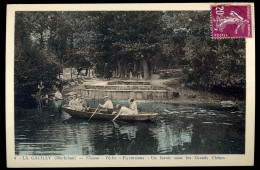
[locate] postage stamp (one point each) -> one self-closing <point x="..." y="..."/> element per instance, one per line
<point x="231" y="21"/>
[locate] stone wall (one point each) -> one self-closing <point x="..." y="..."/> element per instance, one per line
<point x="125" y="89"/>
<point x="125" y="94"/>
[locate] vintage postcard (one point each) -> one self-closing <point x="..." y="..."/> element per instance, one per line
<point x="130" y="85"/>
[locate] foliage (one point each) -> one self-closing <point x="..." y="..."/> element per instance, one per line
<point x="139" y="41"/>
<point x="217" y="65"/>
<point x="33" y="63"/>
<point x="31" y="67"/>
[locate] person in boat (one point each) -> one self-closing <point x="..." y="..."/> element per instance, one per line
<point x="73" y="102"/>
<point x="133" y="106"/>
<point x="85" y="107"/>
<point x="45" y="98"/>
<point x="58" y="95"/>
<point x="58" y="99"/>
<point x="59" y="86"/>
<point x="107" y="106"/>
<point x="81" y="104"/>
<point x="122" y="110"/>
<point x="76" y="103"/>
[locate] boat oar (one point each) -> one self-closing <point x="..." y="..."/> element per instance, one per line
<point x="93" y="114"/>
<point x="116" y="117"/>
<point x="115" y="124"/>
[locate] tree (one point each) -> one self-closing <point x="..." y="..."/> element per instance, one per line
<point x="32" y="66"/>
<point x="118" y="31"/>
<point x="217" y="65"/>
<point x="136" y="41"/>
<point x="32" y="63"/>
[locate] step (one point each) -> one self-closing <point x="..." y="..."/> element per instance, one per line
<point x="129" y="82"/>
<point x="118" y="90"/>
<point x="125" y="94"/>
<point x="125" y="87"/>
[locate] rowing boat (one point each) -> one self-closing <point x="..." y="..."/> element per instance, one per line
<point x="141" y="116"/>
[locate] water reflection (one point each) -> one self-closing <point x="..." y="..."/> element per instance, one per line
<point x="174" y="136"/>
<point x="179" y="129"/>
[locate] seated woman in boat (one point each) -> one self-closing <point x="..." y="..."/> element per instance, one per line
<point x="82" y="106"/>
<point x="79" y="103"/>
<point x="85" y="107"/>
<point x="73" y="102"/>
<point x="76" y="103"/>
<point x="122" y="110"/>
<point x="133" y="106"/>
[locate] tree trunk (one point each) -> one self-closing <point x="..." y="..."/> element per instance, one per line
<point x="70" y="72"/>
<point x="130" y="75"/>
<point x="41" y="41"/>
<point x="116" y="73"/>
<point x="140" y="72"/>
<point x="135" y="70"/>
<point x="125" y="69"/>
<point x="119" y="68"/>
<point x="151" y="72"/>
<point x="146" y="69"/>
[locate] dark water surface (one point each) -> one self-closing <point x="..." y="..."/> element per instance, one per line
<point x="178" y="129"/>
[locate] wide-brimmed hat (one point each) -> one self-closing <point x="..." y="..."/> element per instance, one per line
<point x="105" y="97"/>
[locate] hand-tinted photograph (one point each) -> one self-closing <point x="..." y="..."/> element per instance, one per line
<point x="127" y="83"/>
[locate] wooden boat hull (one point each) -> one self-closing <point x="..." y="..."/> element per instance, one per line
<point x="142" y="116"/>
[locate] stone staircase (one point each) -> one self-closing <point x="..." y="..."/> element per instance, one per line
<point x="125" y="87"/>
<point x="129" y="82"/>
<point x="123" y="90"/>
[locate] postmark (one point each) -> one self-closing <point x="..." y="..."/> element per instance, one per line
<point x="231" y="21"/>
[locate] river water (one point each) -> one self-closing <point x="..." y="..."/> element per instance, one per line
<point x="178" y="129"/>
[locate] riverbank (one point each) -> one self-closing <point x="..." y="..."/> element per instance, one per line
<point x="184" y="94"/>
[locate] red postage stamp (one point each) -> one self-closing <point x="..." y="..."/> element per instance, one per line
<point x="231" y="21"/>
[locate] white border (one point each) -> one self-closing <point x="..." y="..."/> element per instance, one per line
<point x="230" y="160"/>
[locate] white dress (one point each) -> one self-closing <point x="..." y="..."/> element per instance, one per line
<point x="133" y="108"/>
<point x="126" y="111"/>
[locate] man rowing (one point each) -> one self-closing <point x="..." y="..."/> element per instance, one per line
<point x="108" y="105"/>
